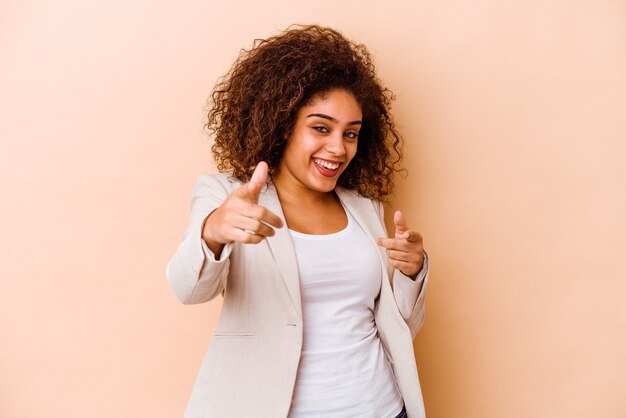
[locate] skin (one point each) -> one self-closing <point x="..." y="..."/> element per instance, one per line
<point x="325" y="133"/>
<point x="241" y="213"/>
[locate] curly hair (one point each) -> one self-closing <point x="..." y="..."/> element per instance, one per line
<point x="253" y="108"/>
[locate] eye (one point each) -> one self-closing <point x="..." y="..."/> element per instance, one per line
<point x="320" y="128"/>
<point x="352" y="134"/>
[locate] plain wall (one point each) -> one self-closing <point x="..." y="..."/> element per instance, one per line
<point x="514" y="118"/>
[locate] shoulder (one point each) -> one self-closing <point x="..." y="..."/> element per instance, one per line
<point x="216" y="183"/>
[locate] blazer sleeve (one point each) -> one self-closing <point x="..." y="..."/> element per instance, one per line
<point x="409" y="294"/>
<point x="193" y="273"/>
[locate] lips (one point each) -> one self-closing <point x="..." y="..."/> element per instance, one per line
<point x="326" y="164"/>
<point x="325" y="167"/>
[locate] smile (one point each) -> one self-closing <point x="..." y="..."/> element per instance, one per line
<point x="326" y="164"/>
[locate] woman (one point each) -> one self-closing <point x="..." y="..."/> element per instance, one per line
<point x="320" y="307"/>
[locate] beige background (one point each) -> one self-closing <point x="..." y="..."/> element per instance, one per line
<point x="514" y="115"/>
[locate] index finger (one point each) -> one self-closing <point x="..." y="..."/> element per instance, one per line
<point x="270" y="218"/>
<point x="393" y="244"/>
<point x="251" y="190"/>
<point x="258" y="179"/>
<point x="413" y="236"/>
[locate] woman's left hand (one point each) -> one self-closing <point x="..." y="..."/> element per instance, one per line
<point x="405" y="251"/>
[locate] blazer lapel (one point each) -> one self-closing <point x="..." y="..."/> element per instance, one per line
<point x="282" y="248"/>
<point x="365" y="215"/>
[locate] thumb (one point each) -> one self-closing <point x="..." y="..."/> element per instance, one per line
<point x="402" y="231"/>
<point x="252" y="189"/>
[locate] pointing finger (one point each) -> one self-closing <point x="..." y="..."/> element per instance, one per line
<point x="402" y="230"/>
<point x="262" y="214"/>
<point x="258" y="179"/>
<point x="401" y="244"/>
<point x="413" y="236"/>
<point x="400" y="223"/>
<point x="394" y="244"/>
<point x="251" y="190"/>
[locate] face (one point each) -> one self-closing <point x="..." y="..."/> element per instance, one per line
<point x="323" y="142"/>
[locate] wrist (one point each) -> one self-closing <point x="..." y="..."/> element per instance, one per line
<point x="213" y="244"/>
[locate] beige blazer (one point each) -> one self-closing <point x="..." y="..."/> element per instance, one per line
<point x="250" y="367"/>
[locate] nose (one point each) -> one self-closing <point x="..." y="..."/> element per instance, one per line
<point x="335" y="144"/>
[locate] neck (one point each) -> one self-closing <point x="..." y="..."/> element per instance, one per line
<point x="296" y="194"/>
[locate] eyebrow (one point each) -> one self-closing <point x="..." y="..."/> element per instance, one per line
<point x="330" y="118"/>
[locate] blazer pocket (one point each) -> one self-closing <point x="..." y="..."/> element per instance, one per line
<point x="233" y="335"/>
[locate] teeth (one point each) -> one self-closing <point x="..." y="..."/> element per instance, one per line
<point x="326" y="164"/>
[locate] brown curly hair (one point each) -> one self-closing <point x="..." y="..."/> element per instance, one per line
<point x="253" y="107"/>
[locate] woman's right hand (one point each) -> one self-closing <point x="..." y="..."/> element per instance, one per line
<point x="239" y="218"/>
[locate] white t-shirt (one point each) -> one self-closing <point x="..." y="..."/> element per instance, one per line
<point x="343" y="369"/>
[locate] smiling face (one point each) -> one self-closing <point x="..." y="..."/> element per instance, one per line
<point x="322" y="143"/>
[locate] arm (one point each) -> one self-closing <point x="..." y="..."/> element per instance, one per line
<point x="409" y="293"/>
<point x="220" y="216"/>
<point x="193" y="273"/>
<point x="410" y="296"/>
